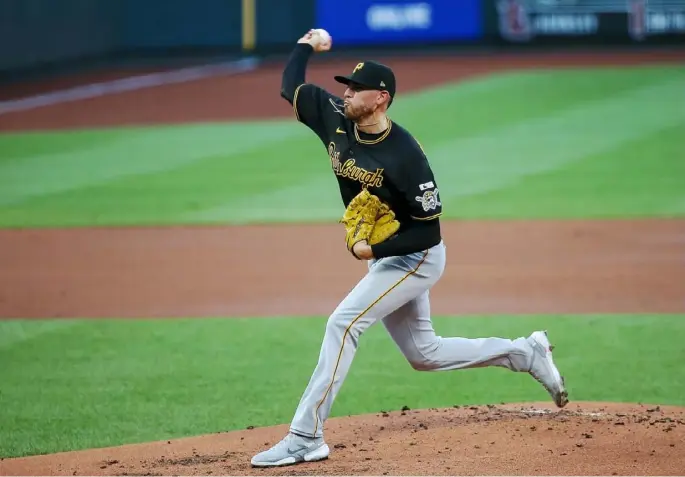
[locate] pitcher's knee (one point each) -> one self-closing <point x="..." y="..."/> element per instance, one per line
<point x="339" y="324"/>
<point x="423" y="358"/>
<point x="421" y="364"/>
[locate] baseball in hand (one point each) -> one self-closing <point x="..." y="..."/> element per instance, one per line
<point x="326" y="39"/>
<point x="319" y="38"/>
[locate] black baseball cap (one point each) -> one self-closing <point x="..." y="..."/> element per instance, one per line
<point x="372" y="75"/>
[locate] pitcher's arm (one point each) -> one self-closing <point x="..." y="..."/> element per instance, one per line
<point x="295" y="71"/>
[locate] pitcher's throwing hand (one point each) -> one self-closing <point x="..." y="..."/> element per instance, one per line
<point x="319" y="39"/>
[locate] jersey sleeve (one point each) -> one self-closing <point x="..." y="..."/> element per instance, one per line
<point x="421" y="189"/>
<point x="315" y="107"/>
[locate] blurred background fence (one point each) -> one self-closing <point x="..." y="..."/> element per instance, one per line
<point x="38" y="36"/>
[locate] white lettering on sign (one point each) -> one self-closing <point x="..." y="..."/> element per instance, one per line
<point x="566" y="24"/>
<point x="399" y="16"/>
<point x="666" y="22"/>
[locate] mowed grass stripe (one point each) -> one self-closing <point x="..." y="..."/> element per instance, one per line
<point x="640" y="177"/>
<point x="158" y="197"/>
<point x="503" y="156"/>
<point x="497" y="159"/>
<point x="112" y="155"/>
<point x="15" y="332"/>
<point x="479" y="105"/>
<point x="478" y="134"/>
<point x="108" y="382"/>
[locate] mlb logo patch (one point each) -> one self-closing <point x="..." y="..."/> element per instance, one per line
<point x="426" y="186"/>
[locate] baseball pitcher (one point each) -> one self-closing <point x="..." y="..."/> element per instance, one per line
<point x="392" y="221"/>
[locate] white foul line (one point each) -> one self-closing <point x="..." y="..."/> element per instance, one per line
<point x="128" y="84"/>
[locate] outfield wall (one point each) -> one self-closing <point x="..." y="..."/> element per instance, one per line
<point x="43" y="35"/>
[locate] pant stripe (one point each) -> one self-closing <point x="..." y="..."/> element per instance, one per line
<point x="349" y="327"/>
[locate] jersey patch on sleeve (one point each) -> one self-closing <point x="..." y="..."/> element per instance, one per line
<point x="429" y="200"/>
<point x="426" y="186"/>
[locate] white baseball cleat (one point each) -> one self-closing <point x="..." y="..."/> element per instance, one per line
<point x="544" y="370"/>
<point x="292" y="450"/>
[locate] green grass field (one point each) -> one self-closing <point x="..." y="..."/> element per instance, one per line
<point x="79" y="384"/>
<point x="604" y="143"/>
<point x="577" y="143"/>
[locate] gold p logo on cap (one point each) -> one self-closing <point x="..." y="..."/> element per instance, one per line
<point x="358" y="67"/>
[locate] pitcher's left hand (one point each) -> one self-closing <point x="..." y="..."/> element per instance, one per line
<point x="362" y="250"/>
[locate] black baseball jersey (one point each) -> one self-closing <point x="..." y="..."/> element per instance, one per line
<point x="391" y="165"/>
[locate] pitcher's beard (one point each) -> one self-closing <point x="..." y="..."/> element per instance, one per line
<point x="360" y="112"/>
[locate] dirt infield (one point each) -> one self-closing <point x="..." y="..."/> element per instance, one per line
<point x="493" y="267"/>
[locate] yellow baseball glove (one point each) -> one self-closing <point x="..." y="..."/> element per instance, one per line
<point x="367" y="218"/>
<point x="386" y="225"/>
<point x="360" y="217"/>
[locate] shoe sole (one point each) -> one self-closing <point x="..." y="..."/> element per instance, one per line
<point x="559" y="396"/>
<point x="318" y="454"/>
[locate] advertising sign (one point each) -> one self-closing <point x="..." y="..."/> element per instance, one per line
<point x="621" y="21"/>
<point x="370" y="22"/>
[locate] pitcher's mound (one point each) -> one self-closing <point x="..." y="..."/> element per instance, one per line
<point x="530" y="439"/>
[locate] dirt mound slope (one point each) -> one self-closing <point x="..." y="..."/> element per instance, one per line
<point x="522" y="439"/>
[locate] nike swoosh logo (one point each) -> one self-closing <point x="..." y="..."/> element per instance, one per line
<point x="340" y="131"/>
